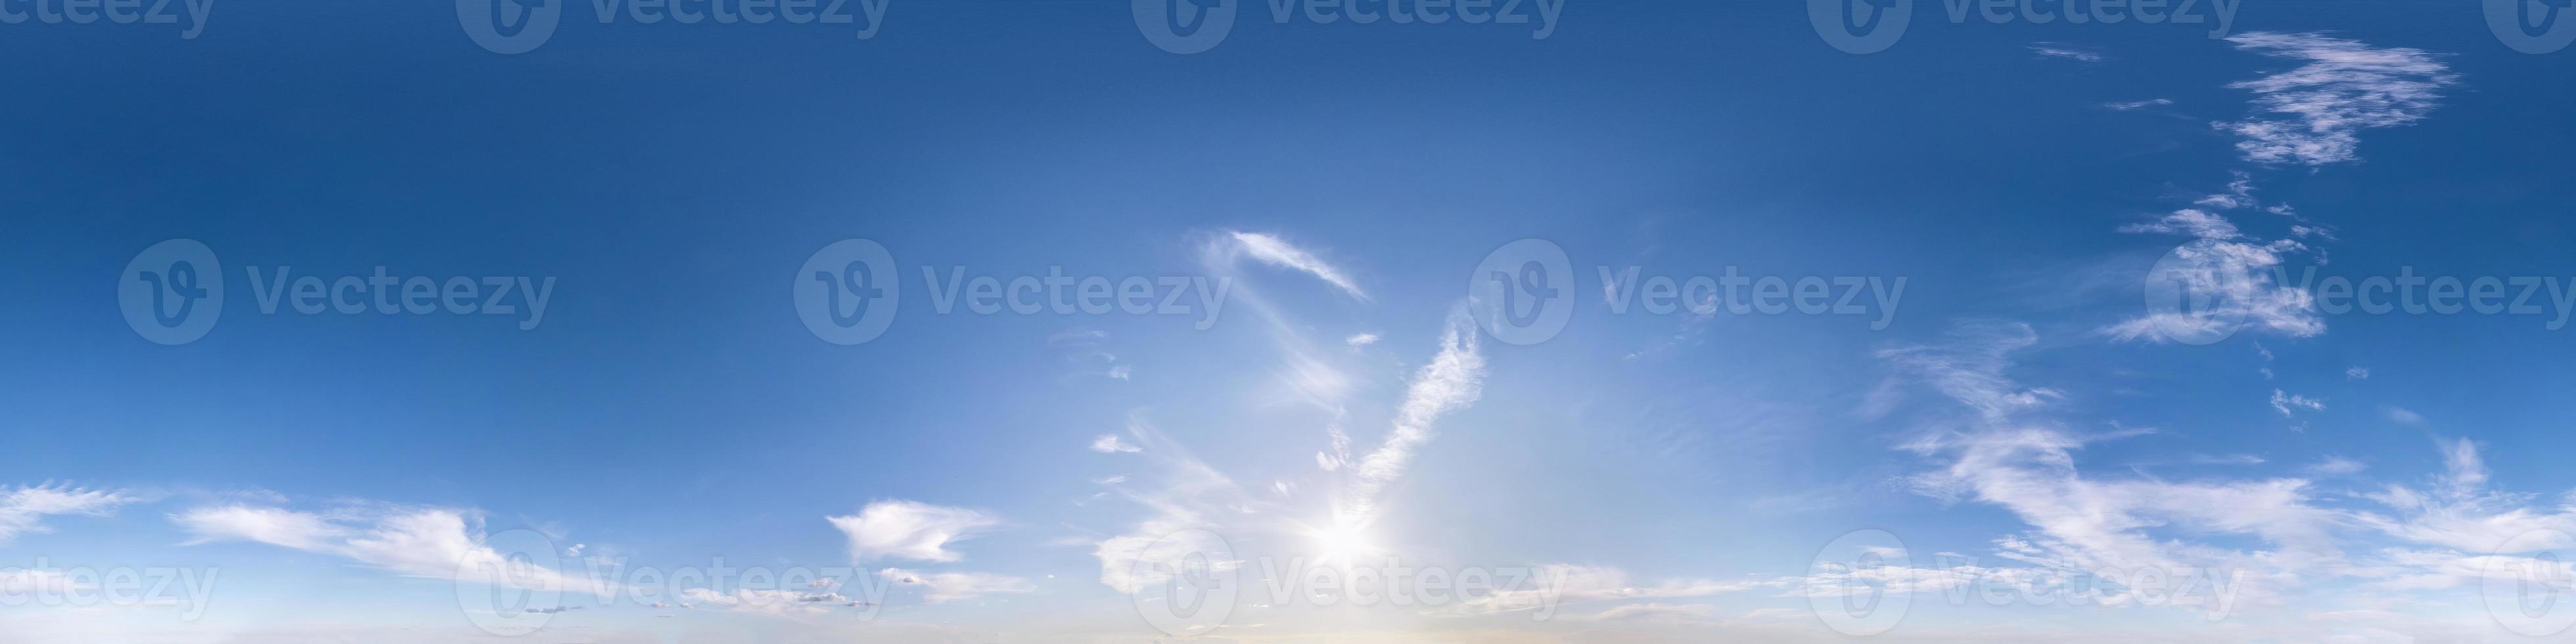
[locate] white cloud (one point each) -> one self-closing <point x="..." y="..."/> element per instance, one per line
<point x="1969" y="366"/>
<point x="1553" y="585"/>
<point x="1276" y="252"/>
<point x="2230" y="282"/>
<point x="2357" y="373"/>
<point x="1651" y="611"/>
<point x="2125" y="106"/>
<point x="419" y="542"/>
<point x="2313" y="115"/>
<point x="764" y="601"/>
<point x="1110" y="444"/>
<point x="23" y="509"/>
<point x="951" y="586"/>
<point x="2055" y="50"/>
<point x="1191" y="499"/>
<point x="1453" y="380"/>
<point x="2459" y="511"/>
<point x="2007" y="457"/>
<point x="1361" y="339"/>
<point x="910" y="530"/>
<point x="2334" y="466"/>
<point x="2286" y="402"/>
<point x="2240" y="194"/>
<point x="2403" y="416"/>
<point x="2188" y="221"/>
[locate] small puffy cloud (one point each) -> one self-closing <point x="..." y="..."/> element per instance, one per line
<point x="2357" y="373"/>
<point x="910" y="530"/>
<point x="1361" y="339"/>
<point x="2333" y="466"/>
<point x="2286" y="402"/>
<point x="1110" y="444"/>
<point x="2402" y="416"/>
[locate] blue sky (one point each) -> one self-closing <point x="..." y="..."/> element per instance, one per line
<point x="2007" y="410"/>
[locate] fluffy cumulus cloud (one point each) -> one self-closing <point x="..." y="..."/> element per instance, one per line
<point x="910" y="530"/>
<point x="23" y="509"/>
<point x="2314" y="114"/>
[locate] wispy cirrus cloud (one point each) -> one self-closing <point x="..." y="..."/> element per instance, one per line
<point x="2313" y="115"/>
<point x="1454" y="379"/>
<point x="2066" y="51"/>
<point x="943" y="587"/>
<point x="411" y="541"/>
<point x="23" y="509"/>
<point x="1278" y="252"/>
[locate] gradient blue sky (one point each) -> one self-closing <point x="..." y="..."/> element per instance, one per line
<point x="1683" y="473"/>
